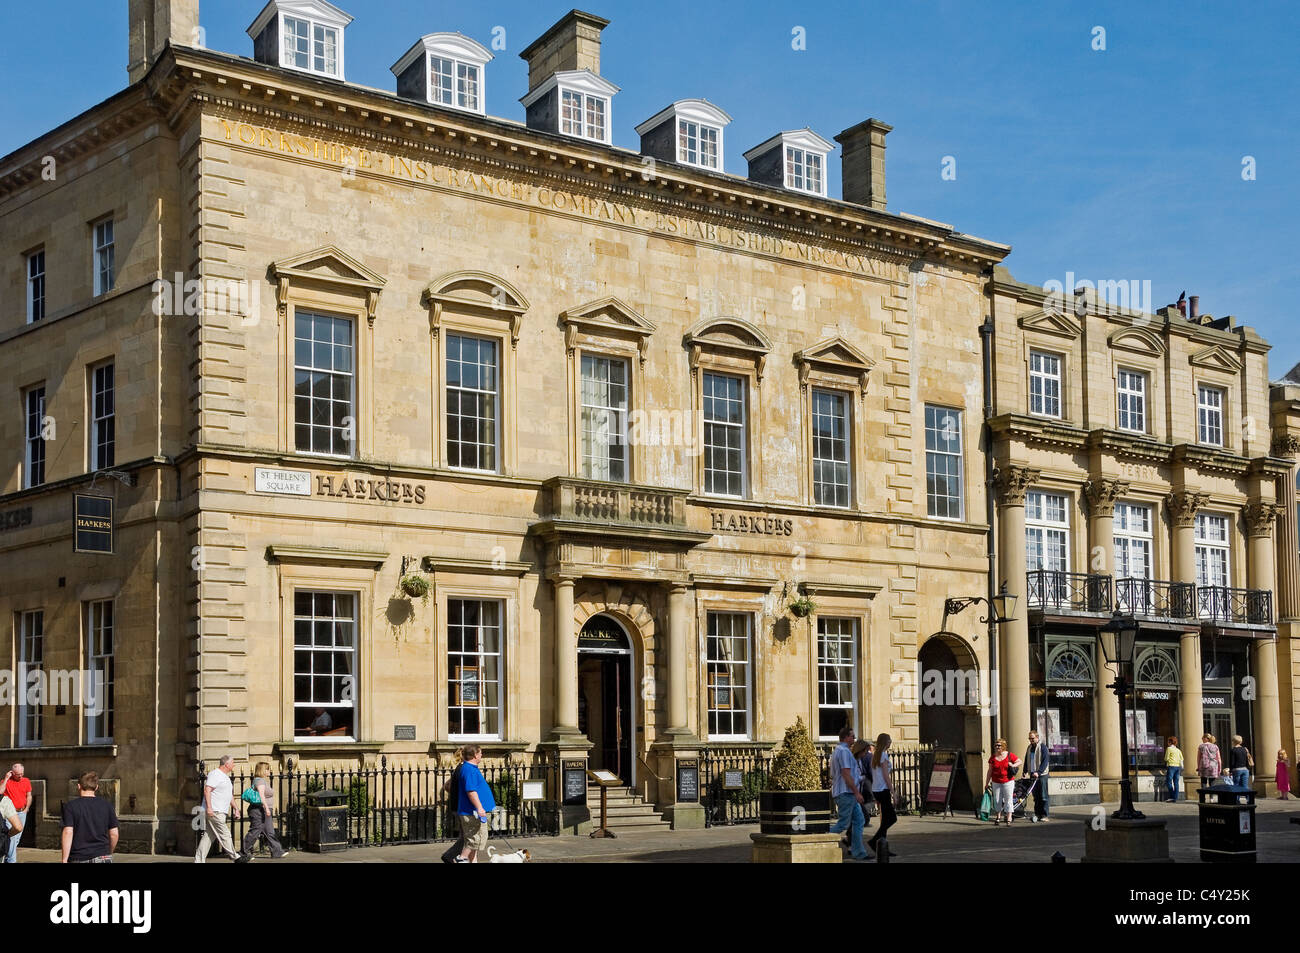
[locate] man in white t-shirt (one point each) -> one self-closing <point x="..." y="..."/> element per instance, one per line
<point x="218" y="798"/>
<point x="12" y="819"/>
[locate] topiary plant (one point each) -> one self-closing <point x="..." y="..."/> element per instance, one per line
<point x="796" y="766"/>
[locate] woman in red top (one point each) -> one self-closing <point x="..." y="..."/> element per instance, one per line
<point x="1000" y="779"/>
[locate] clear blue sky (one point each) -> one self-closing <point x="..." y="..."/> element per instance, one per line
<point x="1114" y="165"/>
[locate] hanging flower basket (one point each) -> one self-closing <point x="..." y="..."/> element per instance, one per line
<point x="417" y="587"/>
<point x="802" y="607"/>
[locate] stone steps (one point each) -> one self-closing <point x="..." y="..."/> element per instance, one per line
<point x="624" y="810"/>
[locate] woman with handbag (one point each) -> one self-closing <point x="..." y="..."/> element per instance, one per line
<point x="1001" y="780"/>
<point x="260" y="798"/>
<point x="1209" y="763"/>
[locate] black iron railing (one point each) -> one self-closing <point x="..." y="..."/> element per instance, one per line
<point x="400" y="804"/>
<point x="1239" y="606"/>
<point x="1157" y="598"/>
<point x="732" y="776"/>
<point x="1056" y="591"/>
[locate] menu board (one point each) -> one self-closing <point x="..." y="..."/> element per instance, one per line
<point x="688" y="780"/>
<point x="575" y="782"/>
<point x="938" y="791"/>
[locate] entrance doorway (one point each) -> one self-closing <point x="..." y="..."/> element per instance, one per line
<point x="606" y="696"/>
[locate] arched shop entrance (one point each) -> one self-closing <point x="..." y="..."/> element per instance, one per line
<point x="951" y="696"/>
<point x="606" y="696"/>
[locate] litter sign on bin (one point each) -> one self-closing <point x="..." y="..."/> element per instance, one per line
<point x="1245" y="822"/>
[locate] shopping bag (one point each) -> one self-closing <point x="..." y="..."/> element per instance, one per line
<point x="986" y="806"/>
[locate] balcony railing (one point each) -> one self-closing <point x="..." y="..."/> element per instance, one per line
<point x="1052" y="590"/>
<point x="1234" y="606"/>
<point x="595" y="501"/>
<point x="1155" y="597"/>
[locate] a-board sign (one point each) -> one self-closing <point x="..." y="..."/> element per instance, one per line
<point x="733" y="780"/>
<point x="575" y="782"/>
<point x="688" y="780"/>
<point x="938" y="789"/>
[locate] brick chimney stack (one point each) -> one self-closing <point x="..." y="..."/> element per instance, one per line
<point x="572" y="43"/>
<point x="151" y="24"/>
<point x="863" y="163"/>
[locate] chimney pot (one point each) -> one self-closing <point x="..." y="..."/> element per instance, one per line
<point x="1195" y="304"/>
<point x="152" y="24"/>
<point x="863" y="163"/>
<point x="572" y="43"/>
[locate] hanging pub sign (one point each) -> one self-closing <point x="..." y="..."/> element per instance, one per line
<point x="93" y="519"/>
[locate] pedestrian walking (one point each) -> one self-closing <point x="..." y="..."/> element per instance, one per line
<point x="475" y="804"/>
<point x="18" y="788"/>
<point x="90" y="828"/>
<point x="1038" y="767"/>
<point x="1001" y="780"/>
<point x="1209" y="763"/>
<point x="451" y="790"/>
<point x="13" y="827"/>
<point x="1240" y="763"/>
<point x="846" y="782"/>
<point x="218" y="798"/>
<point x="1283" y="775"/>
<point x="862" y="751"/>
<point x="1173" y="768"/>
<point x="260" y="798"/>
<point x="882" y="789"/>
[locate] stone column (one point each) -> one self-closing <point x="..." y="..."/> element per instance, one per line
<point x="1102" y="496"/>
<point x="1011" y="483"/>
<point x="678" y="639"/>
<point x="1260" y="517"/>
<point x="1287" y="594"/>
<point x="1182" y="507"/>
<point x="566" y="661"/>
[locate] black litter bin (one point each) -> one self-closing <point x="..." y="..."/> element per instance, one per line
<point x="1227" y="825"/>
<point x="327" y="821"/>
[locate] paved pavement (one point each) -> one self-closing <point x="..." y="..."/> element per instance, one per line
<point x="960" y="839"/>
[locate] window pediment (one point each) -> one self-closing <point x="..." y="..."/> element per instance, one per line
<point x="728" y="335"/>
<point x="835" y="356"/>
<point x="331" y="267"/>
<point x="1051" y="322"/>
<point x="1139" y="341"/>
<point x="607" y="317"/>
<point x="479" y="292"/>
<point x="1217" y="358"/>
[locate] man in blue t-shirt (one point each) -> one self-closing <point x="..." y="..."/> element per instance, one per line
<point x="474" y="805"/>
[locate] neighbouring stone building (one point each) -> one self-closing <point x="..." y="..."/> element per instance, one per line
<point x="290" y="351"/>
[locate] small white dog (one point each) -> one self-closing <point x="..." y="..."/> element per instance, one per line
<point x="510" y="857"/>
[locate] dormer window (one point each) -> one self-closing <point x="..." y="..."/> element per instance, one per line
<point x="794" y="160"/>
<point x="446" y="69"/>
<point x="803" y="171"/>
<point x="305" y="35"/>
<point x="689" y="131"/>
<point x="572" y="103"/>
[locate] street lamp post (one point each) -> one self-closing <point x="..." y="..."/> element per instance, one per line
<point x="1118" y="639"/>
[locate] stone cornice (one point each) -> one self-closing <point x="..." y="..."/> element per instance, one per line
<point x="1210" y="460"/>
<point x="1038" y="431"/>
<point x="184" y="80"/>
<point x="1128" y="446"/>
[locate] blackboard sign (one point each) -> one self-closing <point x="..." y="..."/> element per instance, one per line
<point x="938" y="790"/>
<point x="93" y="520"/>
<point x="688" y="781"/>
<point x="403" y="732"/>
<point x="733" y="780"/>
<point x="575" y="782"/>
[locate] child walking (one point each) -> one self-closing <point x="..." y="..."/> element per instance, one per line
<point x="1283" y="775"/>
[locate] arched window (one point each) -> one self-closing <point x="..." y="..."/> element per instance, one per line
<point x="1069" y="664"/>
<point x="1156" y="666"/>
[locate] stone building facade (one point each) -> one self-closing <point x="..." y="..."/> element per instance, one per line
<point x="616" y="415"/>
<point x="1140" y="469"/>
